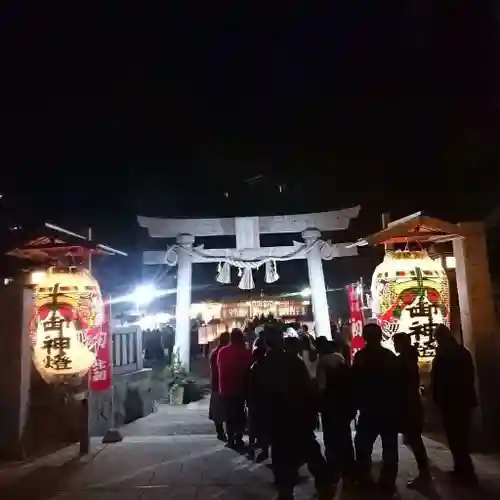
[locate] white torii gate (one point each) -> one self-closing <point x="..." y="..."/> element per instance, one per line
<point x="248" y="250"/>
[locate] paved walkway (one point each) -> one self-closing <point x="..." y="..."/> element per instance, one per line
<point x="173" y="455"/>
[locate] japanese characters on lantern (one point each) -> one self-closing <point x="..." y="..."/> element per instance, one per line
<point x="66" y="325"/>
<point x="410" y="293"/>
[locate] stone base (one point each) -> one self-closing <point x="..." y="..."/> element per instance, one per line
<point x="133" y="399"/>
<point x="112" y="436"/>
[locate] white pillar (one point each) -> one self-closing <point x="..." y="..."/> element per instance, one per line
<point x="183" y="304"/>
<point x="317" y="285"/>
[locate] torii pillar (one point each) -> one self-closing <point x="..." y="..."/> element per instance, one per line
<point x="183" y="300"/>
<point x="317" y="285"/>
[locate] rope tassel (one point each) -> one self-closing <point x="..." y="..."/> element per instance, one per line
<point x="224" y="273"/>
<point x="271" y="272"/>
<point x="246" y="282"/>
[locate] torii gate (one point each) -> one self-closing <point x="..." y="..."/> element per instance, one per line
<point x="248" y="254"/>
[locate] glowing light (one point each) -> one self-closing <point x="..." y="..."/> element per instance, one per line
<point x="144" y="294"/>
<point x="306" y="292"/>
<point x="410" y="293"/>
<point x="37" y="277"/>
<point x="65" y="328"/>
<point x="154" y="321"/>
<point x="207" y="310"/>
<point x="450" y="262"/>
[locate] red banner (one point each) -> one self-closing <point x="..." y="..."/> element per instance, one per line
<point x="101" y="371"/>
<point x="357" y="319"/>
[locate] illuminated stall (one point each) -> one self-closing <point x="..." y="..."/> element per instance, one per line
<point x="410" y="293"/>
<point x="243" y="310"/>
<point x="224" y="316"/>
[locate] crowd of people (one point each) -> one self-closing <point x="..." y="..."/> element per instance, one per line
<point x="286" y="385"/>
<point x="158" y="346"/>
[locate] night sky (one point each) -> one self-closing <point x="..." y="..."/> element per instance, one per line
<point x="121" y="111"/>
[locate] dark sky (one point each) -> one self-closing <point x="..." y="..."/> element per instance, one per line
<point x="123" y="110"/>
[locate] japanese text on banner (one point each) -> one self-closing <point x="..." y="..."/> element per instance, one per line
<point x="356" y="319"/>
<point x="101" y="371"/>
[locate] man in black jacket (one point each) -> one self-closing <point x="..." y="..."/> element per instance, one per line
<point x="284" y="404"/>
<point x="413" y="412"/>
<point x="337" y="412"/>
<point x="453" y="391"/>
<point x="378" y="399"/>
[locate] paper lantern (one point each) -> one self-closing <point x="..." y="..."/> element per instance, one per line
<point x="410" y="293"/>
<point x="66" y="326"/>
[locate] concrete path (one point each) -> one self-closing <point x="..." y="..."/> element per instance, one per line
<point x="173" y="454"/>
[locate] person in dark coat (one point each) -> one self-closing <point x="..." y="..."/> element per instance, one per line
<point x="322" y="345"/>
<point x="309" y="354"/>
<point x="454" y="393"/>
<point x="216" y="411"/>
<point x="343" y="343"/>
<point x="257" y="441"/>
<point x="284" y="399"/>
<point x="378" y="400"/>
<point x="291" y="345"/>
<point x="337" y="410"/>
<point x="169" y="342"/>
<point x="154" y="352"/>
<point x="413" y="412"/>
<point x="259" y="349"/>
<point x="234" y="361"/>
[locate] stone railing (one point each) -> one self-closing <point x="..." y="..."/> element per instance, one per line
<point x="127" y="349"/>
<point x="132" y="385"/>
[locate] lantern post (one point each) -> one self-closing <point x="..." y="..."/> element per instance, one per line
<point x="84" y="434"/>
<point x="83" y="397"/>
<point x="90" y="254"/>
<point x="66" y="327"/>
<point x="386" y="220"/>
<point x="113" y="435"/>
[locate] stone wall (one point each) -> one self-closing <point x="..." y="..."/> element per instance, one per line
<point x="135" y="396"/>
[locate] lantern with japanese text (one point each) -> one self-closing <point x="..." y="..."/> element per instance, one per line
<point x="66" y="324"/>
<point x="410" y="293"/>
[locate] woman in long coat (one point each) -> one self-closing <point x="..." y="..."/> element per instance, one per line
<point x="217" y="410"/>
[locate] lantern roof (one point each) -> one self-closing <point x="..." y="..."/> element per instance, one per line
<point x="416" y="227"/>
<point x="50" y="242"/>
